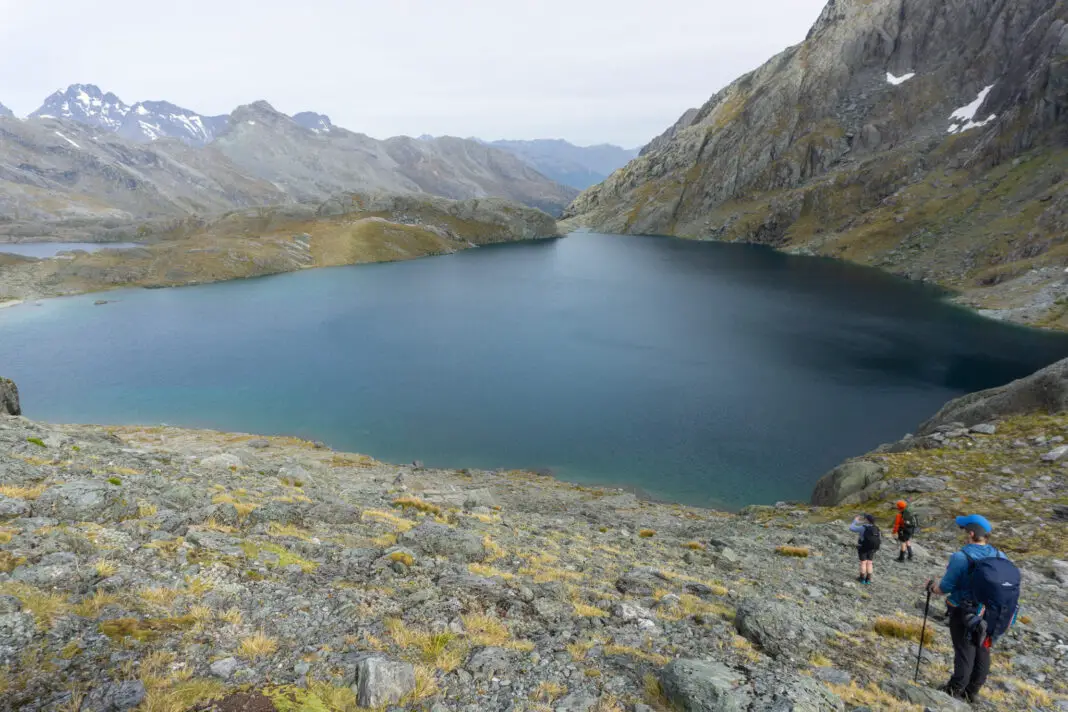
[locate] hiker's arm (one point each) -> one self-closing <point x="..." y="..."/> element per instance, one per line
<point x="958" y="566"/>
<point x="935" y="588"/>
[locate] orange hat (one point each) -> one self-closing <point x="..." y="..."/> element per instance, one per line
<point x="901" y="504"/>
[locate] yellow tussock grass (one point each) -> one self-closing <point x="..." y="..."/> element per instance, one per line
<point x="904" y="629"/>
<point x="485" y="630"/>
<point x="548" y="691"/>
<point x="91" y="606"/>
<point x="800" y="552"/>
<point x="18" y="492"/>
<point x="398" y="523"/>
<point x="417" y="504"/>
<point x="402" y="556"/>
<point x="257" y="645"/>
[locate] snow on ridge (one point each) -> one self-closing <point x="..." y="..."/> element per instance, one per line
<point x="963" y="119"/>
<point x="67" y="140"/>
<point x="896" y="81"/>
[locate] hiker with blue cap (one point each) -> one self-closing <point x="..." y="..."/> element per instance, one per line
<point x="982" y="588"/>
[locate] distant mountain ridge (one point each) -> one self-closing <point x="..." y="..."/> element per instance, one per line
<point x="576" y="166"/>
<point x="86" y="164"/>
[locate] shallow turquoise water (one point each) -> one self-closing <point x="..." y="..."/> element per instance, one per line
<point x="697" y="372"/>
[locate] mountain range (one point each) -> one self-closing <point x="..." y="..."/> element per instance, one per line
<point x="924" y="138"/>
<point x="86" y="163"/>
<point x="576" y="166"/>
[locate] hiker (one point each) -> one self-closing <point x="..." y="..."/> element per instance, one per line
<point x="904" y="528"/>
<point x="867" y="544"/>
<point x="982" y="588"/>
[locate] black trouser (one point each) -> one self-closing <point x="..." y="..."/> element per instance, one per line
<point x="971" y="662"/>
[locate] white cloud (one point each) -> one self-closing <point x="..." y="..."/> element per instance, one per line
<point x="585" y="70"/>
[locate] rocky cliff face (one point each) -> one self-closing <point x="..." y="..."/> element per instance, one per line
<point x="924" y="138"/>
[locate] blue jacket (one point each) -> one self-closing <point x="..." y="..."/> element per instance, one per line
<point x="859" y="529"/>
<point x="955" y="583"/>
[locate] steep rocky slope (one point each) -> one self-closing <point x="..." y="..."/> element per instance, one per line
<point x="172" y="570"/>
<point x="924" y="138"/>
<point x="347" y="229"/>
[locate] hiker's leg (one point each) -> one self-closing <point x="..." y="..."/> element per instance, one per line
<point x="963" y="653"/>
<point x="979" y="671"/>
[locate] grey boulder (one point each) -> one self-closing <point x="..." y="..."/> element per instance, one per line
<point x="780" y="630"/>
<point x="382" y="682"/>
<point x="701" y="686"/>
<point x="84" y="501"/>
<point x="931" y="699"/>
<point x="9" y="398"/>
<point x="641" y="581"/>
<point x="845" y="480"/>
<point x="435" y="539"/>
<point x="922" y="484"/>
<point x="115" y="697"/>
<point x="11" y="507"/>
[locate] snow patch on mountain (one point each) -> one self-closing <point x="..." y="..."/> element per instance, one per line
<point x="963" y="119"/>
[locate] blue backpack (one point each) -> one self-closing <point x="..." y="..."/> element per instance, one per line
<point x="995" y="585"/>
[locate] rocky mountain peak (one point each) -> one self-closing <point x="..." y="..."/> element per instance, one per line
<point x="5" y="112"/>
<point x="318" y="123"/>
<point x="152" y="120"/>
<point x="87" y="104"/>
<point x="258" y="111"/>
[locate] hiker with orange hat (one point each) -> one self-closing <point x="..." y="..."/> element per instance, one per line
<point x="904" y="527"/>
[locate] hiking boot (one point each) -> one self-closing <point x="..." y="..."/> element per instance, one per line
<point x="951" y="691"/>
<point x="901" y="557"/>
<point x="910" y="553"/>
<point x="860" y="578"/>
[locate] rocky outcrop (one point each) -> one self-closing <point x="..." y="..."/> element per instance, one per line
<point x="9" y="397"/>
<point x="895" y="135"/>
<point x="846" y="480"/>
<point x="1044" y="391"/>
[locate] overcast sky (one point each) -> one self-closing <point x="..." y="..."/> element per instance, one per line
<point x="590" y="71"/>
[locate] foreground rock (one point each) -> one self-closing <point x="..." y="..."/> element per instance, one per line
<point x="9" y="398"/>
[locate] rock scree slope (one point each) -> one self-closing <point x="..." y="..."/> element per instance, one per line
<point x="925" y="138"/>
<point x="156" y="568"/>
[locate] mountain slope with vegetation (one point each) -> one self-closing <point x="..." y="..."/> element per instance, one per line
<point x="162" y="569"/>
<point x="923" y="138"/>
<point x="350" y="228"/>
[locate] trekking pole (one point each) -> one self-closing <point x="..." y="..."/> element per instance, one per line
<point x="923" y="634"/>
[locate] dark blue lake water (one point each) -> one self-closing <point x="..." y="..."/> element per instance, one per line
<point x="703" y="373"/>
